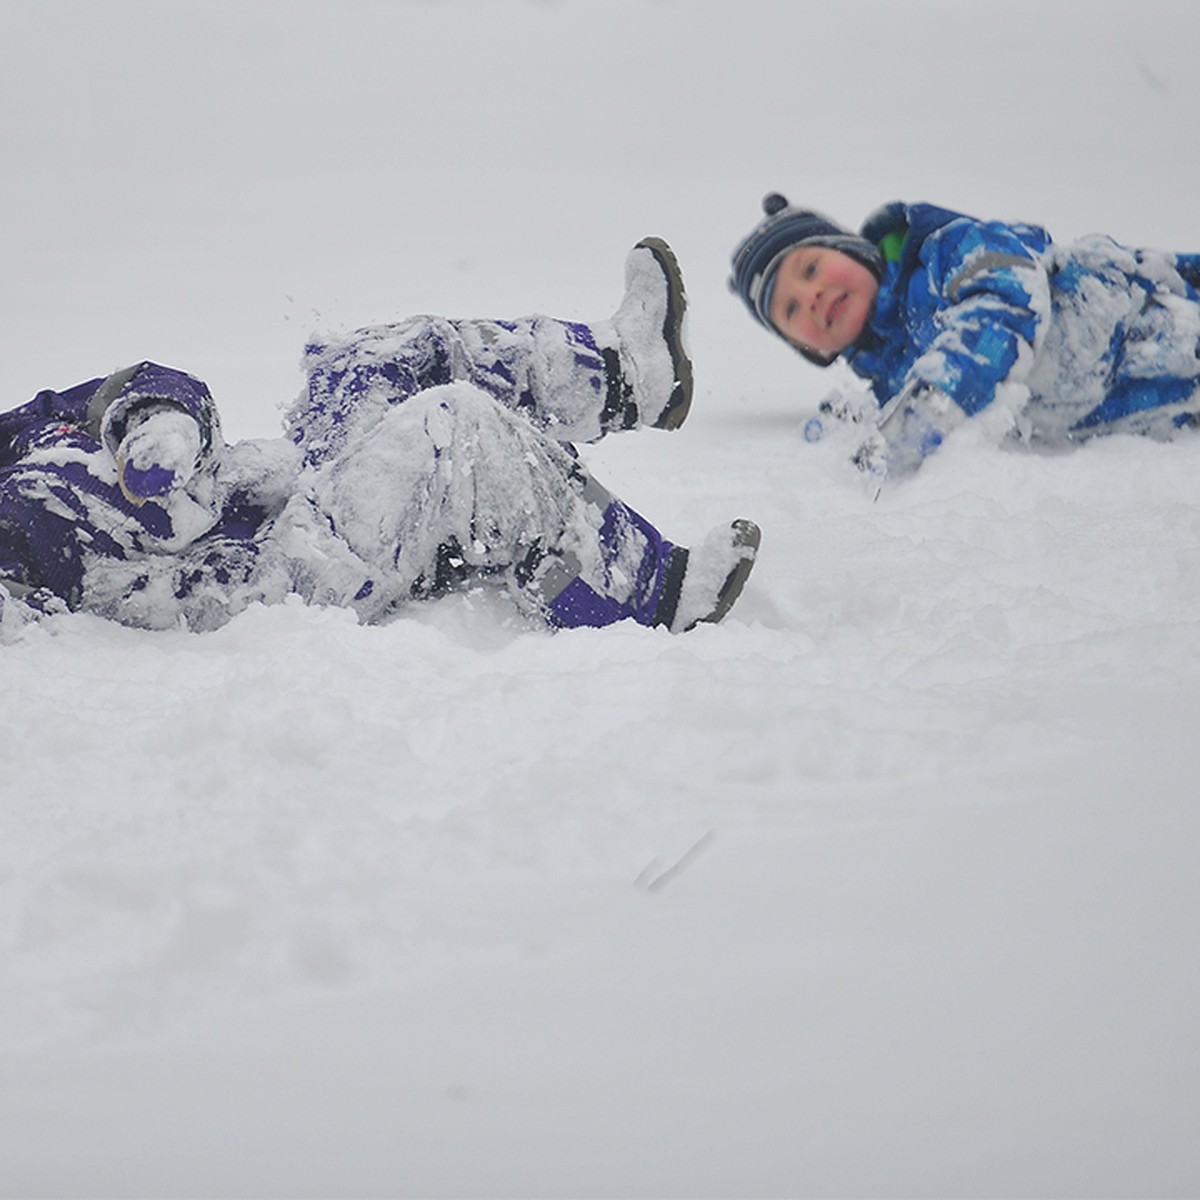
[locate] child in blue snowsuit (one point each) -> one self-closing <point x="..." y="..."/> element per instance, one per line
<point x="424" y="456"/>
<point x="947" y="317"/>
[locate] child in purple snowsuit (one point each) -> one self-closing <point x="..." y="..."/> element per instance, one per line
<point x="423" y="457"/>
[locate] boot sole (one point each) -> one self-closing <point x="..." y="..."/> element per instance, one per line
<point x="680" y="402"/>
<point x="747" y="537"/>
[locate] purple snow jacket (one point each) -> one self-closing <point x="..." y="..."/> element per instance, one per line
<point x="59" y="498"/>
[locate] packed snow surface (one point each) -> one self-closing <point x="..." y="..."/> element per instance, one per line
<point x="885" y="886"/>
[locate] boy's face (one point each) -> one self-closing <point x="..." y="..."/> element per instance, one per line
<point x="822" y="298"/>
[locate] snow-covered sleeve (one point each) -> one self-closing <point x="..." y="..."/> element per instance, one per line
<point x="162" y="429"/>
<point x="146" y="387"/>
<point x="974" y="309"/>
<point x="159" y="424"/>
<point x="980" y="300"/>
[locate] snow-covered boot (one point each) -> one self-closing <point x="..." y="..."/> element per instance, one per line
<point x="652" y="367"/>
<point x="631" y="572"/>
<point x="714" y="574"/>
<point x="608" y="564"/>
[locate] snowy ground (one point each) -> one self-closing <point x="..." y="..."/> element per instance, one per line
<point x="886" y="886"/>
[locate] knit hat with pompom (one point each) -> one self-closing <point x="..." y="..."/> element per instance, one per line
<point x="758" y="257"/>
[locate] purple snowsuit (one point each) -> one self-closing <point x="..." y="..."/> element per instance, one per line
<point x="423" y="456"/>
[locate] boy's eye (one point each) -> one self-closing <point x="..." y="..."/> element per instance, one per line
<point x="810" y="268"/>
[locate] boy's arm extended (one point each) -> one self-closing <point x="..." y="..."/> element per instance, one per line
<point x="976" y="308"/>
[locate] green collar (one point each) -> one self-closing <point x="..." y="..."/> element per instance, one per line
<point x="892" y="244"/>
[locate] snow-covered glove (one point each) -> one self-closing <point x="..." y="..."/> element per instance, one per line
<point x="871" y="457"/>
<point x="158" y="453"/>
<point x="839" y="408"/>
<point x="848" y="406"/>
<point x="909" y="429"/>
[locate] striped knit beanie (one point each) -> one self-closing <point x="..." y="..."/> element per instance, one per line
<point x="757" y="258"/>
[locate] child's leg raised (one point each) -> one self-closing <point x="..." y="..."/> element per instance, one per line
<point x="578" y="381"/>
<point x="573" y="380"/>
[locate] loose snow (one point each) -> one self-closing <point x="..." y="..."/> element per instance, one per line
<point x="885" y="886"/>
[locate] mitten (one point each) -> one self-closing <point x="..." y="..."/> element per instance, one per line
<point x="871" y="457"/>
<point x="910" y="428"/>
<point x="158" y="453"/>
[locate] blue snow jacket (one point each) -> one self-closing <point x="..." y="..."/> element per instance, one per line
<point x="1093" y="337"/>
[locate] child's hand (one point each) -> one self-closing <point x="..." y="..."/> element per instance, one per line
<point x="158" y="454"/>
<point x="849" y="406"/>
<point x="910" y="428"/>
<point x="871" y="458"/>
